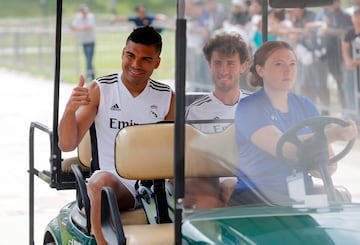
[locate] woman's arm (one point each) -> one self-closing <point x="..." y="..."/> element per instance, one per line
<point x="266" y="138"/>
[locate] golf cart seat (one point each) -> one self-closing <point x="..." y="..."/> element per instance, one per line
<point x="144" y="152"/>
<point x="83" y="158"/>
<point x="206" y="155"/>
<point x="80" y="165"/>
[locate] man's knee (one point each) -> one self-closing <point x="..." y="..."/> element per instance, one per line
<point x="99" y="180"/>
<point x="227" y="188"/>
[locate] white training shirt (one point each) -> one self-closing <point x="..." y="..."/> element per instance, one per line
<point x="118" y="109"/>
<point x="209" y="107"/>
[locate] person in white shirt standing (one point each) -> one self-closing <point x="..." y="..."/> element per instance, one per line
<point x="227" y="56"/>
<point x="84" y="26"/>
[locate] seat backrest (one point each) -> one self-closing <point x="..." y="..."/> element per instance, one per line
<point x="83" y="158"/>
<point x="84" y="150"/>
<point x="147" y="152"/>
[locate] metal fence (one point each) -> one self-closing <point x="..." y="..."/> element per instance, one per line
<point x="30" y="45"/>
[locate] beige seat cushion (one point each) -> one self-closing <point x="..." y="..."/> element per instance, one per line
<point x="147" y="152"/>
<point x="133" y="217"/>
<point x="84" y="150"/>
<point x="83" y="159"/>
<point x="160" y="234"/>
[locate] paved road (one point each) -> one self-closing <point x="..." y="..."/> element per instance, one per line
<point x="23" y="99"/>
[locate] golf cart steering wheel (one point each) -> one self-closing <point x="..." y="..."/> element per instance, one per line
<point x="314" y="146"/>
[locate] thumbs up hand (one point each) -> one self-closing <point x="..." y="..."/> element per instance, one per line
<point x="79" y="96"/>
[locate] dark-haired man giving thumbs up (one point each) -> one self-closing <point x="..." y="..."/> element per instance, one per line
<point x="110" y="103"/>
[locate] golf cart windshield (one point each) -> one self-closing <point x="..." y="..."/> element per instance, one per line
<point x="240" y="173"/>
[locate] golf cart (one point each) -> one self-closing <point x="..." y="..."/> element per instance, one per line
<point x="156" y="153"/>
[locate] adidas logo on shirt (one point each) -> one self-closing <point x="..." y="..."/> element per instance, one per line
<point x="115" y="108"/>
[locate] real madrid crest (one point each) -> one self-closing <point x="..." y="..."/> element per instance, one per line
<point x="154" y="111"/>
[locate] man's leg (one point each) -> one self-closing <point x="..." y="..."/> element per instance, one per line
<point x="203" y="193"/>
<point x="89" y="53"/>
<point x="124" y="197"/>
<point x="227" y="187"/>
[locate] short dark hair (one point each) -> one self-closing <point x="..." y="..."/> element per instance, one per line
<point x="146" y="35"/>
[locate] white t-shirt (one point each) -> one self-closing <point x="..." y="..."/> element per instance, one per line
<point x="210" y="108"/>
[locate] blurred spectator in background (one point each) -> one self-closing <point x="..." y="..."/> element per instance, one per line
<point x="143" y="19"/>
<point x="336" y="23"/>
<point x="255" y="17"/>
<point x="354" y="5"/>
<point x="351" y="55"/>
<point x="112" y="6"/>
<point x="197" y="71"/>
<point x="239" y="14"/>
<point x="217" y="14"/>
<point x="257" y="36"/>
<point x="255" y="11"/>
<point x="238" y="20"/>
<point x="280" y="25"/>
<point x="311" y="51"/>
<point x="84" y="25"/>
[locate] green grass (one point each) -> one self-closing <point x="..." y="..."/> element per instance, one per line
<point x="107" y="58"/>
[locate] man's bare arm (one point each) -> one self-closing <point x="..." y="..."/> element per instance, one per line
<point x="79" y="114"/>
